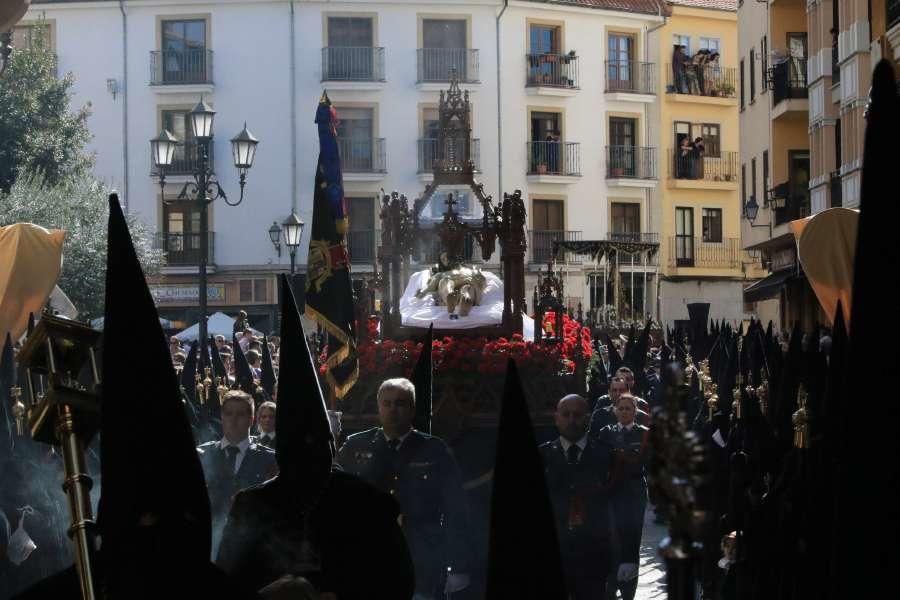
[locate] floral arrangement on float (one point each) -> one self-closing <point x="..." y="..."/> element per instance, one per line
<point x="559" y="355"/>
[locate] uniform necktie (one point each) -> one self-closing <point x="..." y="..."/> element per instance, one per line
<point x="232" y="454"/>
<point x="394" y="444"/>
<point x="572" y="454"/>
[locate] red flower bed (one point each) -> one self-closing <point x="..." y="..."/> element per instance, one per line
<point x="476" y="355"/>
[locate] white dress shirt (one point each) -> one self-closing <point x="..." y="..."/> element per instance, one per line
<point x="242" y="451"/>
<point x="402" y="438"/>
<point x="566" y="444"/>
<point x="270" y="436"/>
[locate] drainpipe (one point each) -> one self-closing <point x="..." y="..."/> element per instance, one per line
<point x="124" y="106"/>
<point x="499" y="110"/>
<point x="649" y="193"/>
<point x="293" y="67"/>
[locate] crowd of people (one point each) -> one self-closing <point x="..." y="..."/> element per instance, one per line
<point x="700" y="74"/>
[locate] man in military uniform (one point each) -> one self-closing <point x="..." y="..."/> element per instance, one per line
<point x="578" y="471"/>
<point x="421" y="473"/>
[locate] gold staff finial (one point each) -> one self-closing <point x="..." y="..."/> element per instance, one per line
<point x="18" y="409"/>
<point x="800" y="419"/>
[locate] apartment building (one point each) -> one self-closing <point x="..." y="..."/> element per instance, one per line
<point x="775" y="154"/>
<point x="701" y="256"/>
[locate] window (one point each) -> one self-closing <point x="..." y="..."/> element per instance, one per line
<point x="361" y="234"/>
<point x="350" y="54"/>
<point x="546" y="143"/>
<point x="547" y="223"/>
<point x="178" y="123"/>
<point x="544" y="39"/>
<point x="682" y="40"/>
<point x="711" y="44"/>
<point x="753" y="179"/>
<point x="625" y="221"/>
<point x="765" y="179"/>
<point x="837" y="144"/>
<point x="743" y="184"/>
<point x="620" y="54"/>
<point x="711" y="140"/>
<point x="26" y="36"/>
<point x="443" y="49"/>
<point x="742" y="84"/>
<point x="712" y="225"/>
<point x="684" y="236"/>
<point x="438" y="203"/>
<point x="259" y="290"/>
<point x="622" y="142"/>
<point x="245" y="290"/>
<point x="764" y="59"/>
<point x="752" y="75"/>
<point x="355" y="132"/>
<point x="184" y="51"/>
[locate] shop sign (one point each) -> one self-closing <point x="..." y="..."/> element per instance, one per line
<point x="186" y="294"/>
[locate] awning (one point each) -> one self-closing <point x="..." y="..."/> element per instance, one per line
<point x="768" y="287"/>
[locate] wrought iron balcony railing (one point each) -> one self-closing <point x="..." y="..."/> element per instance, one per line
<point x="633" y="236"/>
<point x="183" y="249"/>
<point x="362" y="155"/>
<point x="687" y="251"/>
<point x="361" y="246"/>
<point x="340" y="63"/>
<point x="540" y="242"/>
<point x="701" y="80"/>
<point x="186" y="160"/>
<point x="630" y="76"/>
<point x="436" y="64"/>
<point x="428" y="153"/>
<point x="688" y="165"/>
<point x="552" y="70"/>
<point x="796" y="204"/>
<point x="635" y="162"/>
<point x="554" y="158"/>
<point x="181" y="67"/>
<point x="789" y="80"/>
<point x="835" y="187"/>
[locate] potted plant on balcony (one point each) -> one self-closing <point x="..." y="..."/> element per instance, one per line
<point x="724" y="89"/>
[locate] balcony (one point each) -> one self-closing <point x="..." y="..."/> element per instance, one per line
<point x="553" y="162"/>
<point x="540" y="243"/>
<point x="709" y="84"/>
<point x="629" y="80"/>
<point x="691" y="252"/>
<point x="551" y="74"/>
<point x="835" y="189"/>
<point x="435" y="65"/>
<point x="428" y="154"/>
<point x="361" y="246"/>
<point x="353" y="67"/>
<point x="186" y="160"/>
<point x="631" y="166"/>
<point x="181" y="68"/>
<point x="688" y="171"/>
<point x="789" y="92"/>
<point x="363" y="159"/>
<point x="641" y="259"/>
<point x="183" y="249"/>
<point x="796" y="203"/>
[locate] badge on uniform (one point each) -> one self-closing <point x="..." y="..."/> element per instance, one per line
<point x="362" y="455"/>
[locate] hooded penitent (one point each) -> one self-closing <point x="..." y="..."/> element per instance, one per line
<point x="304" y="446"/>
<point x="267" y="379"/>
<point x="243" y="376"/>
<point x="189" y="373"/>
<point x="523" y="556"/>
<point x="153" y="485"/>
<point x="422" y="377"/>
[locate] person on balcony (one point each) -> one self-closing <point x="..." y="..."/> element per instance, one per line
<point x="712" y="75"/>
<point x="697" y="158"/>
<point x="684" y="159"/>
<point x="552" y="142"/>
<point x="678" y="69"/>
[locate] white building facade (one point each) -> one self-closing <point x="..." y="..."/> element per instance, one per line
<point x="561" y="96"/>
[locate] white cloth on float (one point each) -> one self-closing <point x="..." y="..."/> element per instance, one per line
<point x="421" y="312"/>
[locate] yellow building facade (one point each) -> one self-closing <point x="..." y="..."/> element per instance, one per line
<point x="701" y="256"/>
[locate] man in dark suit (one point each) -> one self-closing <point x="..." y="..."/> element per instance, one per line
<point x="605" y="410"/>
<point x="578" y="471"/>
<point x="235" y="462"/>
<point x="420" y="472"/>
<point x="628" y="440"/>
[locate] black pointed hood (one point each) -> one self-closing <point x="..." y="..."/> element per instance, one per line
<point x="243" y="376"/>
<point x="149" y="465"/>
<point x="422" y="378"/>
<point x="7" y="381"/>
<point x="267" y="379"/>
<point x="218" y="366"/>
<point x="188" y="378"/>
<point x="304" y="446"/>
<point x="615" y="359"/>
<point x="523" y="554"/>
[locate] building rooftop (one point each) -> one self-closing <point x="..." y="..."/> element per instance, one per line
<point x="648" y="7"/>
<point x="730" y="5"/>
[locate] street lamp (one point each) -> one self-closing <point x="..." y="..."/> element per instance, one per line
<point x="293" y="231"/>
<point x="204" y="188"/>
<point x="275" y="236"/>
<point x="751" y="209"/>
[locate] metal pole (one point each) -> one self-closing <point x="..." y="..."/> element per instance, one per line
<point x="203" y="181"/>
<point x="293" y="259"/>
<point x="77" y="486"/>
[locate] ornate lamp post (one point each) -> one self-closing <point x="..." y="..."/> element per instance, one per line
<point x="293" y="231"/>
<point x="205" y="187"/>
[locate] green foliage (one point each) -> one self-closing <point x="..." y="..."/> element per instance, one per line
<point x="79" y="206"/>
<point x="40" y="134"/>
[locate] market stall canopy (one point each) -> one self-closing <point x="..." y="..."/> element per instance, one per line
<point x="30" y="263"/>
<point x="826" y="247"/>
<point x="217" y="324"/>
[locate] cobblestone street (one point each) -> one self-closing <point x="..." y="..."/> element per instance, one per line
<point x="652" y="580"/>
